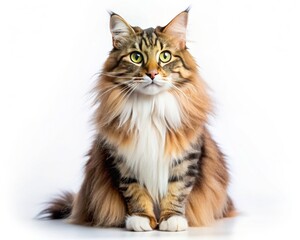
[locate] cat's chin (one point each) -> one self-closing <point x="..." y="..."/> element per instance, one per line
<point x="151" y="90"/>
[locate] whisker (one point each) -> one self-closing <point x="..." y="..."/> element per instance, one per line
<point x="128" y="89"/>
<point x="120" y="84"/>
<point x="176" y="88"/>
<point x="115" y="76"/>
<point x="132" y="87"/>
<point x="112" y="88"/>
<point x="124" y="97"/>
<point x="122" y="77"/>
<point x="179" y="90"/>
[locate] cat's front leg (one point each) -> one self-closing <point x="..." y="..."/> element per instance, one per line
<point x="172" y="215"/>
<point x="181" y="182"/>
<point x="140" y="206"/>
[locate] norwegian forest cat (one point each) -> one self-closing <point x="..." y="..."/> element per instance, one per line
<point x="153" y="163"/>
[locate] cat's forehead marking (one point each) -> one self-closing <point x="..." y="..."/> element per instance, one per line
<point x="149" y="41"/>
<point x="147" y="36"/>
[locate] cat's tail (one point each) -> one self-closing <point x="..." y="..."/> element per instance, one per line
<point x="230" y="210"/>
<point x="59" y="208"/>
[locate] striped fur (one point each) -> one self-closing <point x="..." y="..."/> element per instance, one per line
<point x="153" y="163"/>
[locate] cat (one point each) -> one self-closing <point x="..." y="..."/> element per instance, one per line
<point x="153" y="163"/>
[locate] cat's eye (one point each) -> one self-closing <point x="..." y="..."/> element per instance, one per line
<point x="136" y="57"/>
<point x="165" y="56"/>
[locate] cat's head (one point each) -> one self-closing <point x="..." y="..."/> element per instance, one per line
<point x="149" y="61"/>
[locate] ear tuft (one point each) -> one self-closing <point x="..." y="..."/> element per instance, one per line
<point x="119" y="29"/>
<point x="177" y="28"/>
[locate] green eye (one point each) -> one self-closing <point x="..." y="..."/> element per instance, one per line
<point x="136" y="57"/>
<point x="165" y="56"/>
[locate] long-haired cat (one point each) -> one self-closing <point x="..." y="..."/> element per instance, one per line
<point x="153" y="163"/>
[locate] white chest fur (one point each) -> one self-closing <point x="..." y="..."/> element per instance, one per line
<point x="150" y="116"/>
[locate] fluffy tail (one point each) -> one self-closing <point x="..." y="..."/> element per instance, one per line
<point x="230" y="209"/>
<point x="59" y="207"/>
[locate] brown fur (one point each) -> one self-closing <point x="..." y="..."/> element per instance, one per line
<point x="98" y="201"/>
<point x="208" y="200"/>
<point x="198" y="179"/>
<point x="139" y="198"/>
<point x="59" y="207"/>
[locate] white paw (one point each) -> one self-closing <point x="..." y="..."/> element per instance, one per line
<point x="138" y="224"/>
<point x="174" y="224"/>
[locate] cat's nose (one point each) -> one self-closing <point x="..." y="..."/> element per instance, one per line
<point x="151" y="74"/>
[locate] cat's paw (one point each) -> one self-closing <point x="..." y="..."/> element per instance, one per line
<point x="138" y="223"/>
<point x="174" y="224"/>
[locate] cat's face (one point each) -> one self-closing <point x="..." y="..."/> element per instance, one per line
<point x="148" y="61"/>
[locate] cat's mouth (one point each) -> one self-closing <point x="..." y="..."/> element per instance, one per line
<point x="152" y="84"/>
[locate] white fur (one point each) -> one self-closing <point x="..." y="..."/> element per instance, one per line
<point x="149" y="117"/>
<point x="138" y="224"/>
<point x="174" y="224"/>
<point x="153" y="87"/>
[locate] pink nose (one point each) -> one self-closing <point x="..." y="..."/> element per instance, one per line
<point x="151" y="74"/>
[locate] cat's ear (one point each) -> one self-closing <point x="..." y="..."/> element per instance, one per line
<point x="177" y="28"/>
<point x="120" y="30"/>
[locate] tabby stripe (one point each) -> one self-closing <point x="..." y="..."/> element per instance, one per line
<point x="176" y="205"/>
<point x="181" y="198"/>
<point x="189" y="184"/>
<point x="128" y="180"/>
<point x="183" y="63"/>
<point x="144" y="44"/>
<point x="172" y="211"/>
<point x="141" y="45"/>
<point x="147" y="40"/>
<point x="118" y="62"/>
<point x="154" y="38"/>
<point x="192" y="156"/>
<point x="176" y="163"/>
<point x="192" y="173"/>
<point x="156" y="42"/>
<point x="123" y="188"/>
<point x="176" y="178"/>
<point x="128" y="199"/>
<point x="137" y="46"/>
<point x="140" y="211"/>
<point x="161" y="45"/>
<point x="193" y="167"/>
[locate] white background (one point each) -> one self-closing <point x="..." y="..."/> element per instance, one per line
<point x="248" y="52"/>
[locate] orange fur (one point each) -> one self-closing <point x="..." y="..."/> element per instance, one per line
<point x="197" y="186"/>
<point x="143" y="201"/>
<point x="98" y="202"/>
<point x="209" y="200"/>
